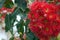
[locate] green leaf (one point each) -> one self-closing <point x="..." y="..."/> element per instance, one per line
<point x="19" y="11"/>
<point x="12" y="38"/>
<point x="58" y="37"/>
<point x="1" y="3"/>
<point x="26" y="25"/>
<point x="21" y="3"/>
<point x="8" y="22"/>
<point x="31" y="36"/>
<point x="53" y="38"/>
<point x="0" y="14"/>
<point x="27" y="22"/>
<point x="50" y="0"/>
<point x="8" y="4"/>
<point x="15" y="13"/>
<point x="11" y="18"/>
<point x="26" y="10"/>
<point x="24" y="16"/>
<point x="20" y="26"/>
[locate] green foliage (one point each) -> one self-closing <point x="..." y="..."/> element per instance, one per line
<point x="8" y="22"/>
<point x="1" y="3"/>
<point x="21" y="3"/>
<point x="8" y="4"/>
<point x="25" y="12"/>
<point x="10" y="18"/>
<point x="0" y="15"/>
<point x="12" y="38"/>
<point x="31" y="36"/>
<point x="20" y="26"/>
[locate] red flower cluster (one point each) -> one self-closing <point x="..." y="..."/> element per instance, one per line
<point x="4" y="11"/>
<point x="44" y="20"/>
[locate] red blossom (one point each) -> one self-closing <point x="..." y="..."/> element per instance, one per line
<point x="4" y="11"/>
<point x="44" y="20"/>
